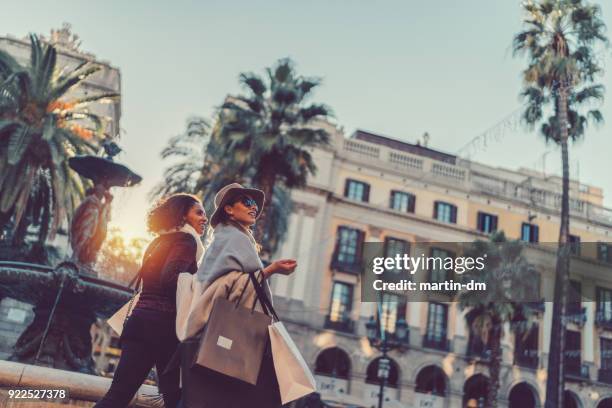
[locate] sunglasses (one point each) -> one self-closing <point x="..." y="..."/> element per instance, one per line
<point x="249" y="202"/>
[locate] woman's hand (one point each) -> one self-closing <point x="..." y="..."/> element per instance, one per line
<point x="282" y="266"/>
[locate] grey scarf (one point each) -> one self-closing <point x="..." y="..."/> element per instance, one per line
<point x="230" y="250"/>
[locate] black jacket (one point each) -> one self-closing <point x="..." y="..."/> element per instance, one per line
<point x="166" y="257"/>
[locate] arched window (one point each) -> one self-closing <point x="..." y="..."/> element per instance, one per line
<point x="605" y="403"/>
<point x="333" y="362"/>
<point x="372" y="373"/>
<point x="431" y="380"/>
<point x="522" y="395"/>
<point x="570" y="400"/>
<point x="475" y="390"/>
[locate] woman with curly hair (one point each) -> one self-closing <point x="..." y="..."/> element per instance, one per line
<point x="149" y="337"/>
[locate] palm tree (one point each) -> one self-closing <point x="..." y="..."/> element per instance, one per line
<point x="190" y="149"/>
<point x="559" y="41"/>
<point x="42" y="124"/>
<point x="509" y="282"/>
<point x="269" y="132"/>
<point x="201" y="169"/>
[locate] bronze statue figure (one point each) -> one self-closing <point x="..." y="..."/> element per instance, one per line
<point x="89" y="225"/>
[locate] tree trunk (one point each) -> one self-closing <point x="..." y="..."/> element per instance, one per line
<point x="5" y="219"/>
<point x="556" y="370"/>
<point x="266" y="184"/>
<point x="494" y="365"/>
<point x="20" y="232"/>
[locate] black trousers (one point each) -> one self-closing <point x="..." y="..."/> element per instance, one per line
<point x="148" y="340"/>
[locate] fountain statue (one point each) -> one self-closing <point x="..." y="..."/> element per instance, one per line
<point x="69" y="297"/>
<point x="88" y="229"/>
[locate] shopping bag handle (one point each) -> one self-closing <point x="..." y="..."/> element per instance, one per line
<point x="263" y="298"/>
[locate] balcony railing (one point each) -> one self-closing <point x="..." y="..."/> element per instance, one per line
<point x="604" y="375"/>
<point x="603" y="320"/>
<point x="344" y="325"/>
<point x="436" y="343"/>
<point x="538" y="307"/>
<point x="526" y="358"/>
<point x="526" y="191"/>
<point x="576" y="371"/>
<point x="343" y="266"/>
<point x="577" y="316"/>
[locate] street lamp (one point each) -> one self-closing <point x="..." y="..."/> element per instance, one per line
<point x="385" y="342"/>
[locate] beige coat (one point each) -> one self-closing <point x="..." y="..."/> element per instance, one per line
<point x="195" y="300"/>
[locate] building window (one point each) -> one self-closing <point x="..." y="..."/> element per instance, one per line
<point x="340" y="307"/>
<point x="445" y="212"/>
<point x="574" y="302"/>
<point x="529" y="232"/>
<point x="393" y="308"/>
<point x="431" y="380"/>
<point x="604" y="305"/>
<point x="526" y="347"/>
<point x="437" y="316"/>
<point x="604" y="252"/>
<point x="574" y="243"/>
<point x="394" y="246"/>
<point x="606" y="354"/>
<point x="348" y="247"/>
<point x="437" y="273"/>
<point x="477" y="347"/>
<point x="487" y="223"/>
<point x="572" y="352"/>
<point x="357" y="190"/>
<point x="333" y="362"/>
<point x="372" y="376"/>
<point x="402" y="201"/>
<point x="341" y="302"/>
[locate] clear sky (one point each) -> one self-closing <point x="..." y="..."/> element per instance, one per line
<point x="397" y="68"/>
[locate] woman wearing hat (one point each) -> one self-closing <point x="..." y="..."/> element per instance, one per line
<point x="231" y="255"/>
<point x="148" y="337"/>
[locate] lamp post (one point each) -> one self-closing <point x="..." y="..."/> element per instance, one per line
<point x="385" y="342"/>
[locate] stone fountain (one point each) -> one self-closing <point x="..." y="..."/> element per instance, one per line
<point x="69" y="297"/>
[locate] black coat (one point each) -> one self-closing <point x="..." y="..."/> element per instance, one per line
<point x="166" y="257"/>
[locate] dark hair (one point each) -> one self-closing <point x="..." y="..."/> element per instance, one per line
<point x="169" y="213"/>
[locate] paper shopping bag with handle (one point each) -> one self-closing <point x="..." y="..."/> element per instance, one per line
<point x="294" y="377"/>
<point x="235" y="339"/>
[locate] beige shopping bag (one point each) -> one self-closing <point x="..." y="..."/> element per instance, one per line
<point x="294" y="377"/>
<point x="188" y="289"/>
<point x="235" y="338"/>
<point x="117" y="320"/>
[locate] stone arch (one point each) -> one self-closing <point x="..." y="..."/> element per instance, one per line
<point x="431" y="379"/>
<point x="475" y="390"/>
<point x="333" y="362"/>
<point x="605" y="402"/>
<point x="523" y="395"/>
<point x="571" y="399"/>
<point x="421" y="363"/>
<point x="394" y="373"/>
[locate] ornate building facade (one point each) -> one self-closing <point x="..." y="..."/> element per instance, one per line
<point x="371" y="188"/>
